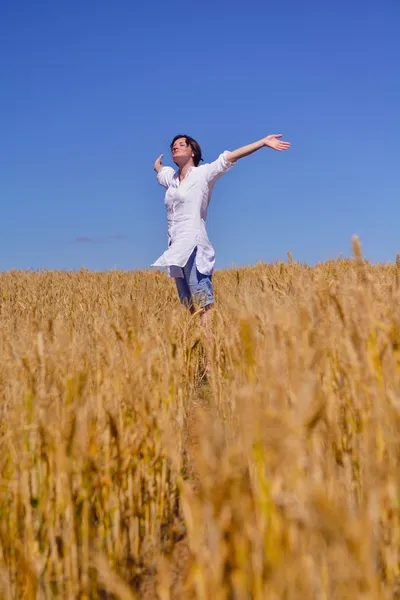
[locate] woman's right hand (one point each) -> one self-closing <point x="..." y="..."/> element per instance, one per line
<point x="158" y="164"/>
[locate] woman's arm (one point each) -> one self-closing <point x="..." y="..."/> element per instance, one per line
<point x="164" y="174"/>
<point x="158" y="164"/>
<point x="271" y="141"/>
<point x="227" y="159"/>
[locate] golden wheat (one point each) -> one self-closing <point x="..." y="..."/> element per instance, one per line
<point x="126" y="473"/>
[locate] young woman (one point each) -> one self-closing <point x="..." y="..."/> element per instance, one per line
<point x="190" y="256"/>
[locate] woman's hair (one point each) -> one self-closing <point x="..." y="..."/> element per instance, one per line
<point x="194" y="146"/>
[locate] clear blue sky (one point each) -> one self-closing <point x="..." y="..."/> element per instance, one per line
<point x="91" y="92"/>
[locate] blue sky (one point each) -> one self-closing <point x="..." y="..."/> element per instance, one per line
<point x="93" y="91"/>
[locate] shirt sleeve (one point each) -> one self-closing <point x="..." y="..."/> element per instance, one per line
<point x="164" y="177"/>
<point x="218" y="167"/>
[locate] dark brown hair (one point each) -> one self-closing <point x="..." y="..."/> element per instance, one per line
<point x="194" y="146"/>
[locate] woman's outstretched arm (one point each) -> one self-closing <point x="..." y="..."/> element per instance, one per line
<point x="164" y="174"/>
<point x="158" y="164"/>
<point x="271" y="141"/>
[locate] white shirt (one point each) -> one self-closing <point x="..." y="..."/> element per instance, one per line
<point x="187" y="203"/>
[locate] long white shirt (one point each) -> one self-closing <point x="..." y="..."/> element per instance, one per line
<point x="187" y="204"/>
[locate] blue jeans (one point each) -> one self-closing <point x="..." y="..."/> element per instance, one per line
<point x="194" y="287"/>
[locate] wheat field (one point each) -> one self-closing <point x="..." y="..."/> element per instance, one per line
<point x="127" y="472"/>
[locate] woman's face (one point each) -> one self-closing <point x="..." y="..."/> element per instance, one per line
<point x="181" y="152"/>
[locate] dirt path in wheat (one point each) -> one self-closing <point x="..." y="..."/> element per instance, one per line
<point x="177" y="564"/>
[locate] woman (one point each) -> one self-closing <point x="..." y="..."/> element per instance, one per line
<point x="190" y="256"/>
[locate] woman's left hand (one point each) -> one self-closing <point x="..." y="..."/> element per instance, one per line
<point x="273" y="141"/>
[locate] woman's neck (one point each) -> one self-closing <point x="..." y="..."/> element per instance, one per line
<point x="183" y="171"/>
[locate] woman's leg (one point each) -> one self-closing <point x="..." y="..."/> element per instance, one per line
<point x="182" y="283"/>
<point x="184" y="293"/>
<point x="196" y="292"/>
<point x="202" y="292"/>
